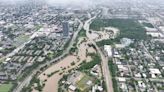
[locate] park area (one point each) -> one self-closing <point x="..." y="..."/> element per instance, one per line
<point x="85" y="83"/>
<point x="5" y="87"/>
<point x="129" y="28"/>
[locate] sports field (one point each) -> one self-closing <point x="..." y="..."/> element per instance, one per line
<point x="82" y="84"/>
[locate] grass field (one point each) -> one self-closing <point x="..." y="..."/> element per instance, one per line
<point x="82" y="84"/>
<point x="21" y="39"/>
<point x="6" y="87"/>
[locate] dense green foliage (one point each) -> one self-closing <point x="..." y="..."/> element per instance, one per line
<point x="88" y="65"/>
<point x="115" y="85"/>
<point x="49" y="75"/>
<point x="112" y="68"/>
<point x="128" y="28"/>
<point x="107" y="42"/>
<point x="148" y="25"/>
<point x="104" y="42"/>
<point x="82" y="33"/>
<point x="73" y="49"/>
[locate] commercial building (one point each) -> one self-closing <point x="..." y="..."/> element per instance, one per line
<point x="108" y="50"/>
<point x="65" y="29"/>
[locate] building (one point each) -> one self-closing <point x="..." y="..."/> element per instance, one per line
<point x="65" y="29"/>
<point x="154" y="72"/>
<point x="72" y="88"/>
<point x="108" y="49"/>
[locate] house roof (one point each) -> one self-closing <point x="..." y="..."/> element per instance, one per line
<point x="73" y="88"/>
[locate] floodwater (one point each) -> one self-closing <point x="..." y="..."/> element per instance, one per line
<point x="52" y="83"/>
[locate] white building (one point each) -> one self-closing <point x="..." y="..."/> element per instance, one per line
<point x="108" y="49"/>
<point x="141" y="85"/>
<point x="121" y="79"/>
<point x="154" y="73"/>
<point x="72" y="88"/>
<point x="154" y="34"/>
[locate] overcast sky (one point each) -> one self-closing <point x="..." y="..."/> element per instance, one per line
<point x="78" y="2"/>
<point x="81" y="3"/>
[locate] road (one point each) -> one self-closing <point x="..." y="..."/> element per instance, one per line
<point x="148" y="52"/>
<point x="141" y="79"/>
<point x="104" y="63"/>
<point x="27" y="80"/>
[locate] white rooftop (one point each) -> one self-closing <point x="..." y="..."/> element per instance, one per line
<point x="155" y="71"/>
<point x="73" y="88"/>
<point x="108" y="49"/>
<point x="141" y="84"/>
<point x="89" y="82"/>
<point x="122" y="79"/>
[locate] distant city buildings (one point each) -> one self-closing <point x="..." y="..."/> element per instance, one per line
<point x="65" y="29"/>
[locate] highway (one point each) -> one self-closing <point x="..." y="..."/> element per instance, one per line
<point x="104" y="62"/>
<point x="27" y="80"/>
<point x="105" y="68"/>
